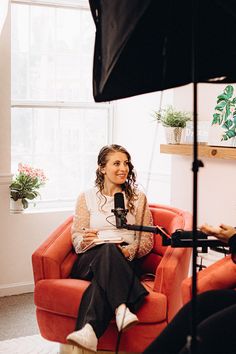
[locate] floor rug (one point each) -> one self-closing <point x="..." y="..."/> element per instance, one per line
<point x="28" y="345"/>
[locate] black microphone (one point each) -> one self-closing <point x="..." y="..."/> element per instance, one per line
<point x="119" y="210"/>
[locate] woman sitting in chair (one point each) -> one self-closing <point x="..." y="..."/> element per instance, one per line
<point x="115" y="289"/>
<point x="216" y="315"/>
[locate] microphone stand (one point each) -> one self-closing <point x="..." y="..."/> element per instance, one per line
<point x="179" y="238"/>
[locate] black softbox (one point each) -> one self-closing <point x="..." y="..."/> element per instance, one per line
<point x="147" y="45"/>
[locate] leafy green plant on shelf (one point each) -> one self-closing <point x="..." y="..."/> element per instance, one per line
<point x="225" y="113"/>
<point x="174" y="122"/>
<point x="169" y="117"/>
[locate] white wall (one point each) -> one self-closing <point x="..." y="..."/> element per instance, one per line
<point x="217" y="193"/>
<point x="137" y="130"/>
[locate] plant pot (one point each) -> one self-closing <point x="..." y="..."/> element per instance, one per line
<point x="16" y="206"/>
<point x="173" y="135"/>
<point x="215" y="136"/>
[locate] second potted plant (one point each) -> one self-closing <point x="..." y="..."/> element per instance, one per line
<point x="223" y="127"/>
<point x="174" y="122"/>
<point x="25" y="186"/>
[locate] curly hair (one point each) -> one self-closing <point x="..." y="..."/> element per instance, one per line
<point x="129" y="186"/>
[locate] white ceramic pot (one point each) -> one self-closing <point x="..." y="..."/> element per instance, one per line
<point x="173" y="135"/>
<point x="16" y="206"/>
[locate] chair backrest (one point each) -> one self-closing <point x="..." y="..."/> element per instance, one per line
<point x="170" y="219"/>
<point x="219" y="275"/>
<point x="55" y="257"/>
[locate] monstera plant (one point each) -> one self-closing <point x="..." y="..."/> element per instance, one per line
<point x="225" y="113"/>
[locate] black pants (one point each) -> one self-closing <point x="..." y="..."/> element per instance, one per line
<point x="216" y="326"/>
<point x="113" y="282"/>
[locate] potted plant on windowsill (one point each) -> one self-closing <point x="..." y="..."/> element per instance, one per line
<point x="223" y="127"/>
<point x="25" y="186"/>
<point x="174" y="122"/>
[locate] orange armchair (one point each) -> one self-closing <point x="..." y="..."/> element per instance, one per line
<point x="57" y="297"/>
<point x="219" y="275"/>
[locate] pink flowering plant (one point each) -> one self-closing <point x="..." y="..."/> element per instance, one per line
<point x="26" y="184"/>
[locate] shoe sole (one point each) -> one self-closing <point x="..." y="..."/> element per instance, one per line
<point x="76" y="344"/>
<point x="129" y="325"/>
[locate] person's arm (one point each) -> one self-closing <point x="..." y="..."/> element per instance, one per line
<point x="143" y="243"/>
<point x="81" y="234"/>
<point x="228" y="233"/>
<point x="232" y="247"/>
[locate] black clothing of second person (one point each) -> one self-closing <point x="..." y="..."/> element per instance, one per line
<point x="216" y="323"/>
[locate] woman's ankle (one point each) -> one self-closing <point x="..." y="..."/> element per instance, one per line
<point x="121" y="307"/>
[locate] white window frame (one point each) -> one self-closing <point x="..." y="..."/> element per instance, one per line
<point x="57" y="204"/>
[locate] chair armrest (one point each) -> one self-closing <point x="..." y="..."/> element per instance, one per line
<point x="170" y="273"/>
<point x="219" y="275"/>
<point x="55" y="257"/>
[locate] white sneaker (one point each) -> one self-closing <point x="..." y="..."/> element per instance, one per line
<point x="125" y="318"/>
<point x="84" y="338"/>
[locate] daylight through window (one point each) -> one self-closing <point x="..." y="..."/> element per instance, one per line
<point x="56" y="125"/>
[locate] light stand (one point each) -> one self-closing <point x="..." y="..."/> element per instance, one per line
<point x="195" y="167"/>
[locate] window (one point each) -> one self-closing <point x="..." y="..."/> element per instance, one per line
<point x="56" y="125"/>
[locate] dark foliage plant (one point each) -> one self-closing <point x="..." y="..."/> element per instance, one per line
<point x="225" y="113"/>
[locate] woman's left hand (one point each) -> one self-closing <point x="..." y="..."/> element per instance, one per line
<point x="125" y="251"/>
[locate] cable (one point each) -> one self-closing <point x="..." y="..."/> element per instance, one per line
<point x="153" y="146"/>
<point x="110" y="216"/>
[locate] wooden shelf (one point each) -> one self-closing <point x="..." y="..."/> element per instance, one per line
<point x="216" y="152"/>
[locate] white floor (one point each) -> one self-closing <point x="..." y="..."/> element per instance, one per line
<point x="28" y="345"/>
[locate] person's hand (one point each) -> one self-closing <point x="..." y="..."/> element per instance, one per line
<point x="210" y="230"/>
<point x="222" y="232"/>
<point x="226" y="231"/>
<point x="89" y="235"/>
<point x="124" y="250"/>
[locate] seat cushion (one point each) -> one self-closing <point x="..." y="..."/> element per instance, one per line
<point x="63" y="296"/>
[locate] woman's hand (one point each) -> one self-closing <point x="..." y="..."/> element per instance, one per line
<point x="125" y="251"/>
<point x="89" y="235"/>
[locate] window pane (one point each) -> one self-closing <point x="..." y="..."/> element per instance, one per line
<point x="21" y="136"/>
<point x="63" y="142"/>
<point x="53" y="63"/>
